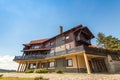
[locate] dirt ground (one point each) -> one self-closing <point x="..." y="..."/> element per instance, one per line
<point x="66" y="76"/>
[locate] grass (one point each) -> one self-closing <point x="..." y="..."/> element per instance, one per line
<point x="3" y="78"/>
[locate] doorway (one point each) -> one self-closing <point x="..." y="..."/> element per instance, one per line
<point x="97" y="65"/>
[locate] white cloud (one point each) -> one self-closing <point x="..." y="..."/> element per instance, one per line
<point x="6" y="62"/>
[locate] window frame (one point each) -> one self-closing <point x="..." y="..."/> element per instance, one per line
<point x="52" y="64"/>
<point x="68" y="63"/>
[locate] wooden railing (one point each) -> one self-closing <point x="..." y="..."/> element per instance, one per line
<point x="88" y="50"/>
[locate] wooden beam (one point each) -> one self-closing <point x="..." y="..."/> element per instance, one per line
<point x="87" y="63"/>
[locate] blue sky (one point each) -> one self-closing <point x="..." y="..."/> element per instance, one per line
<point x="25" y="20"/>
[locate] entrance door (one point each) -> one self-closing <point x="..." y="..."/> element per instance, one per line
<point x="98" y="65"/>
<point x="59" y="64"/>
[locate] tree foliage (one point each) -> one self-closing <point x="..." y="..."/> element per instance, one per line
<point x="108" y="42"/>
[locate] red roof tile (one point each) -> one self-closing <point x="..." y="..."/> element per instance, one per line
<point x="38" y="41"/>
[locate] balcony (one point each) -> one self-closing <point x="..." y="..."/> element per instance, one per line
<point x="88" y="50"/>
<point x="29" y="57"/>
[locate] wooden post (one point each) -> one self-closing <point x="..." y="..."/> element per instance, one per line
<point x="77" y="63"/>
<point x="18" y="67"/>
<point x="87" y="63"/>
<point x="36" y="67"/>
<point x="27" y="65"/>
<point x="21" y="68"/>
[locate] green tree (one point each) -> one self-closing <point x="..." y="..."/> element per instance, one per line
<point x="108" y="42"/>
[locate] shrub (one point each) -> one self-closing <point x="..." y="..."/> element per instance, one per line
<point x="59" y="71"/>
<point x="42" y="71"/>
<point x="1" y="75"/>
<point x="41" y="78"/>
<point x="29" y="71"/>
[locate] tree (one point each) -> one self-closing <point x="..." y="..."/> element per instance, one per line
<point x="108" y="42"/>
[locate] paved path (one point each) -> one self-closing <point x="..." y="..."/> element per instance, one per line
<point x="66" y="76"/>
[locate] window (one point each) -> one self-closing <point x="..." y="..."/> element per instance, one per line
<point x="42" y="65"/>
<point x="36" y="46"/>
<point x="68" y="46"/>
<point x="52" y="52"/>
<point x="51" y="43"/>
<point x="67" y="37"/>
<point x="32" y="66"/>
<point x="69" y="63"/>
<point x="51" y="64"/>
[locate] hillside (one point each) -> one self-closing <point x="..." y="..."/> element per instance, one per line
<point x="4" y="70"/>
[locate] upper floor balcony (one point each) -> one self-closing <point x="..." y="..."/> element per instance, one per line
<point x="88" y="50"/>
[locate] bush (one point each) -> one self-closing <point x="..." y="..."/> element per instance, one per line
<point x="59" y="71"/>
<point x="41" y="78"/>
<point x="42" y="71"/>
<point x="29" y="71"/>
<point x="1" y="75"/>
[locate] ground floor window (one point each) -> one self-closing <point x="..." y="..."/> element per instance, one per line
<point x="52" y="64"/>
<point x="32" y="66"/>
<point x="69" y="63"/>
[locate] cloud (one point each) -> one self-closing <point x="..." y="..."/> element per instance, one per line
<point x="6" y="62"/>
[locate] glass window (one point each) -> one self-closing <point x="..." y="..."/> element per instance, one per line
<point x="52" y="52"/>
<point x="51" y="43"/>
<point x="32" y="66"/>
<point x="67" y="37"/>
<point x="36" y="46"/>
<point x="52" y="64"/>
<point x="68" y="46"/>
<point x="69" y="63"/>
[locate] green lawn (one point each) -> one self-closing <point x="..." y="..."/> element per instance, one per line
<point x="16" y="78"/>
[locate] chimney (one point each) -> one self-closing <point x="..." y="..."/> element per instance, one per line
<point x="61" y="30"/>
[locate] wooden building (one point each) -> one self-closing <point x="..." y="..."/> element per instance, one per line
<point x="70" y="51"/>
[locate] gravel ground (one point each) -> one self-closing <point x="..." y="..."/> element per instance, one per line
<point x="66" y="76"/>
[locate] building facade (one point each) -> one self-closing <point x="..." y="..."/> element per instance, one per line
<point x="70" y="51"/>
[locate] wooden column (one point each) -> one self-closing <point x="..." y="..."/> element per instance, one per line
<point x="87" y="63"/>
<point x="36" y="67"/>
<point x="24" y="67"/>
<point x="27" y="65"/>
<point x="77" y="63"/>
<point x="18" y="67"/>
<point x="21" y="68"/>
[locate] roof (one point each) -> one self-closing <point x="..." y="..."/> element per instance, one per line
<point x="47" y="39"/>
<point x="36" y="42"/>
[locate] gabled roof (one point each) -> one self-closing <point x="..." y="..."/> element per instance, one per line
<point x="47" y="39"/>
<point x="36" y="42"/>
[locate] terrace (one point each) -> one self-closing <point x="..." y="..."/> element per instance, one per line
<point x="88" y="50"/>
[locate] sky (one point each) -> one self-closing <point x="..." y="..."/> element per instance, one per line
<point x="24" y="20"/>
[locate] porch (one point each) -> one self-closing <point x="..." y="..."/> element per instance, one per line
<point x="77" y="62"/>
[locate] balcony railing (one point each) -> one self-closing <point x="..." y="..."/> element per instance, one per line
<point x="28" y="57"/>
<point x="73" y="50"/>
